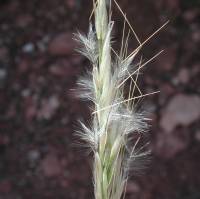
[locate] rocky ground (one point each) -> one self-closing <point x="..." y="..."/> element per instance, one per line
<point x="39" y="158"/>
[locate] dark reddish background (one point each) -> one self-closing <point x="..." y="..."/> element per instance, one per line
<point x="38" y="67"/>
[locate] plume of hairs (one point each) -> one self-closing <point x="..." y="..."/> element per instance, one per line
<point x="115" y="120"/>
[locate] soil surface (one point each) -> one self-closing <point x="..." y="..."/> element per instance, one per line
<point x="39" y="158"/>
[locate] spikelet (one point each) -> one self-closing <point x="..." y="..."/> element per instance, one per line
<point x="115" y="120"/>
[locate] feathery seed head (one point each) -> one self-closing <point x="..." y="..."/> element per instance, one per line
<point x="114" y="119"/>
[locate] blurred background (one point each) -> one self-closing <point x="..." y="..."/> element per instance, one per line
<point x="38" y="67"/>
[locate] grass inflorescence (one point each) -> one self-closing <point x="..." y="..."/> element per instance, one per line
<point x="117" y="125"/>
